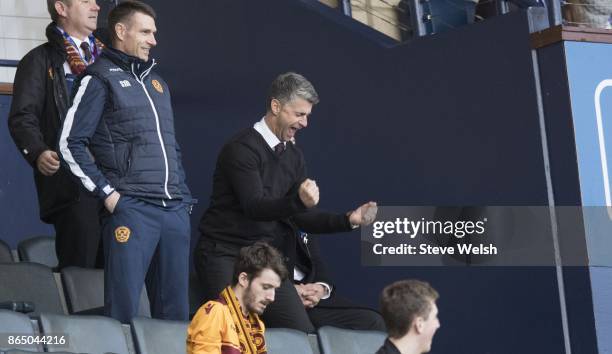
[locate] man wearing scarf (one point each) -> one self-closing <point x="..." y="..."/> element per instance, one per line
<point x="231" y="324"/>
<point x="41" y="98"/>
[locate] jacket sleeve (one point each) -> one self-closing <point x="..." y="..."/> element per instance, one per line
<point x="27" y="107"/>
<point x="241" y="166"/>
<point x="78" y="127"/>
<point x="319" y="222"/>
<point x="321" y="271"/>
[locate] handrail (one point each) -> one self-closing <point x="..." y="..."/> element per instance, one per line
<point x="9" y="63"/>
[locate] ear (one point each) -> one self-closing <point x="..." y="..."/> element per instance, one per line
<point x="61" y="8"/>
<point x="243" y="280"/>
<point x="419" y="324"/>
<point x="275" y="106"/>
<point x="120" y="30"/>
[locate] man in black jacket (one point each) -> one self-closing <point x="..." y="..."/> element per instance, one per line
<point x="261" y="193"/>
<point x="40" y="100"/>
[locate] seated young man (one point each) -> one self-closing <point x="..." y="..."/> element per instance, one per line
<point x="411" y="316"/>
<point x="231" y="324"/>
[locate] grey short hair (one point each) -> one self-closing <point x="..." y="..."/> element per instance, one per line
<point x="289" y="86"/>
<point x="51" y="8"/>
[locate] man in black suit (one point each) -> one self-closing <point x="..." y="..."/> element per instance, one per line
<point x="261" y="193"/>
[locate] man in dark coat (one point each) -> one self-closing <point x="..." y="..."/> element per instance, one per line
<point x="40" y="100"/>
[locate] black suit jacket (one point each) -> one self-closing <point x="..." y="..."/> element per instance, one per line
<point x="308" y="259"/>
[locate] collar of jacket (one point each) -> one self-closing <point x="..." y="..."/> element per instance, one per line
<point x="127" y="62"/>
<point x="56" y="41"/>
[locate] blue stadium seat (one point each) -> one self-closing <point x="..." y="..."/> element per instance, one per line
<point x="345" y="341"/>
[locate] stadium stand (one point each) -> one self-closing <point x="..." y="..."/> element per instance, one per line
<point x="86" y="334"/>
<point x="5" y="253"/>
<point x="153" y="336"/>
<point x="284" y="340"/>
<point x="84" y="290"/>
<point x="14" y="322"/>
<point x="38" y="249"/>
<point x="343" y="341"/>
<point x="33" y="282"/>
<point x="18" y="351"/>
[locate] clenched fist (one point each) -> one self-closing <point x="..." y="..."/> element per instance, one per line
<point x="309" y="193"/>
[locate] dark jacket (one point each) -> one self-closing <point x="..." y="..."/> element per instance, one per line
<point x="122" y="115"/>
<point x="39" y="103"/>
<point x="388" y="348"/>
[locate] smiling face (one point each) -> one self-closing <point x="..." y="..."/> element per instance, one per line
<point x="286" y="119"/>
<point x="136" y="37"/>
<point x="78" y="17"/>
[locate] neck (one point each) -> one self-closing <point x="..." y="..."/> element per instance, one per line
<point x="239" y="292"/>
<point x="270" y="120"/>
<point x="74" y="32"/>
<point x="406" y="344"/>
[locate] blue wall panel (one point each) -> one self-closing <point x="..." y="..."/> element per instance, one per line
<point x="18" y="202"/>
<point x="444" y="120"/>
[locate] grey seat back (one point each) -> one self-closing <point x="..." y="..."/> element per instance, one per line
<point x="345" y="341"/>
<point x="284" y="340"/>
<point x="39" y="249"/>
<point x="30" y="282"/>
<point x="86" y="334"/>
<point x="19" y="351"/>
<point x="84" y="290"/>
<point x="5" y="253"/>
<point x="17" y="324"/>
<point x="159" y="336"/>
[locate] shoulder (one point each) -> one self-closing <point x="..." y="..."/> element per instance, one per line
<point x="211" y="309"/>
<point x="243" y="144"/>
<point x="210" y="316"/>
<point x="104" y="68"/>
<point x="295" y="149"/>
<point x="38" y="54"/>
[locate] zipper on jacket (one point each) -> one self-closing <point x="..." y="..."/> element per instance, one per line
<point x="159" y="135"/>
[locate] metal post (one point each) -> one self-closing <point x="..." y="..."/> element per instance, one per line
<point x="554" y="12"/>
<point x="502" y="7"/>
<point x="345" y="6"/>
<point x="417" y="16"/>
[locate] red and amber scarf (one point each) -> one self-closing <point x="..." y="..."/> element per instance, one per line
<point x="76" y="62"/>
<point x="250" y="331"/>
